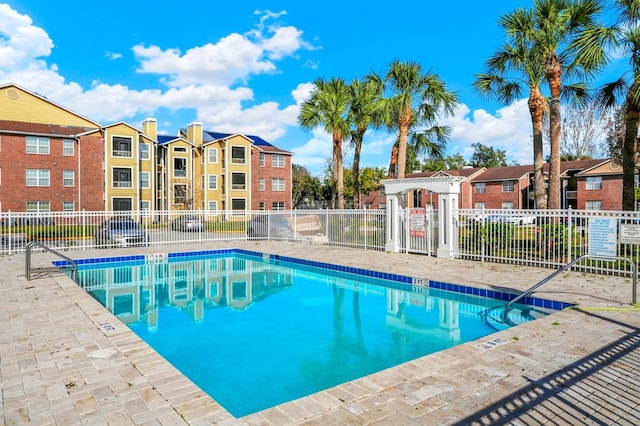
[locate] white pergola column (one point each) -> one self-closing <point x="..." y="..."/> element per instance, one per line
<point x="392" y="241"/>
<point x="446" y="203"/>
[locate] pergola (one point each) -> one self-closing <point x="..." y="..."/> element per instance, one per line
<point x="447" y="188"/>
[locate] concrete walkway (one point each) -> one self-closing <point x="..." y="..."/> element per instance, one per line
<point x="65" y="360"/>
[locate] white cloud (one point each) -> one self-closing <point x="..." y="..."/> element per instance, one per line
<point x="112" y="55"/>
<point x="315" y="153"/>
<point x="20" y="41"/>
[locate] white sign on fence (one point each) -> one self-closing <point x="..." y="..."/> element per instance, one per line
<point x="629" y="234"/>
<point x="602" y="236"/>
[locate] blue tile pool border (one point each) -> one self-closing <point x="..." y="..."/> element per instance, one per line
<point x="403" y="282"/>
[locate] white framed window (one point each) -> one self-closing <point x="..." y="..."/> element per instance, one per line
<point x="213" y="207"/>
<point x="180" y="194"/>
<point x="262" y="159"/>
<point x="238" y="181"/>
<point x="68" y="206"/>
<point x="213" y="181"/>
<point x="68" y="147"/>
<point x="144" y="151"/>
<point x="277" y="205"/>
<point x="261" y="205"/>
<point x="38" y="145"/>
<point x="238" y="206"/>
<point x="145" y="206"/>
<point x="277" y="184"/>
<point x="38" y="177"/>
<point x="179" y="149"/>
<point x="145" y="180"/>
<point x="213" y="155"/>
<point x="238" y="155"/>
<point x="38" y="206"/>
<point x="68" y="177"/>
<point x="277" y="160"/>
<point x="122" y="147"/>
<point x="507" y="205"/>
<point x="479" y="205"/>
<point x="593" y="205"/>
<point x="122" y="177"/>
<point x="179" y="167"/>
<point x="381" y="191"/>
<point x="480" y="188"/>
<point x="507" y="186"/>
<point x="594" y="183"/>
<point x="261" y="185"/>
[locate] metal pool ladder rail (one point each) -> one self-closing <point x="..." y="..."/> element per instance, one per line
<point x="634" y="271"/>
<point x="27" y="260"/>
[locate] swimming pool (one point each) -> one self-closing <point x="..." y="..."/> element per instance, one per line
<point x="255" y="330"/>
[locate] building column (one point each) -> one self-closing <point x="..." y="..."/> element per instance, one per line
<point x="446" y="202"/>
<point x="392" y="242"/>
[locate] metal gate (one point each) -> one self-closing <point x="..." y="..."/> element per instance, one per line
<point x="419" y="230"/>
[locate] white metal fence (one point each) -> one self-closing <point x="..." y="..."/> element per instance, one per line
<point x="87" y="230"/>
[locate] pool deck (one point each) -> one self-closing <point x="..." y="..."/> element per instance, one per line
<point x="64" y="359"/>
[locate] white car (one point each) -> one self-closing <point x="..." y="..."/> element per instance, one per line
<point x="520" y="219"/>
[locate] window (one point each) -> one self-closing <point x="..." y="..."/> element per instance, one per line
<point x="37" y="145"/>
<point x="507" y="186"/>
<point x="122" y="204"/>
<point x="277" y="184"/>
<point x="382" y="206"/>
<point x="277" y="205"/>
<point x="593" y="205"/>
<point x="67" y="206"/>
<point x="261" y="205"/>
<point x="68" y="147"/>
<point x="261" y="184"/>
<point x="144" y="151"/>
<point x="213" y="155"/>
<point x="213" y="182"/>
<point x="479" y="206"/>
<point x="238" y="181"/>
<point x="480" y="188"/>
<point x="179" y="194"/>
<point x="68" y="177"/>
<point x="381" y="191"/>
<point x="213" y="206"/>
<point x="121" y="147"/>
<point x="145" y="206"/>
<point x="262" y="159"/>
<point x="238" y="155"/>
<point x="594" y="182"/>
<point x="179" y="167"/>
<point x="38" y="206"/>
<point x="122" y="178"/>
<point x="238" y="206"/>
<point x="145" y="180"/>
<point x="37" y="177"/>
<point x="179" y="149"/>
<point x="277" y="160"/>
<point x="508" y="205"/>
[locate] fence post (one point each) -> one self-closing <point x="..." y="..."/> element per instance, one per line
<point x="569" y="239"/>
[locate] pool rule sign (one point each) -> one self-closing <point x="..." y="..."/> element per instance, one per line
<point x="602" y="236"/>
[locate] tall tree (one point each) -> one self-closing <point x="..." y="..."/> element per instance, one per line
<point x="583" y="128"/>
<point x="514" y="68"/>
<point x="625" y="90"/>
<point x="328" y="107"/>
<point x="365" y="109"/>
<point x="487" y="156"/>
<point x="306" y="190"/>
<point x="554" y="28"/>
<point x="417" y="99"/>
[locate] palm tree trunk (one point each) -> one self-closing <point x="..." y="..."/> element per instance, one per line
<point x="553" y="72"/>
<point x="536" y="109"/>
<point x="338" y="172"/>
<point x="355" y="169"/>
<point x="629" y="149"/>
<point x="402" y="150"/>
<point x="393" y="162"/>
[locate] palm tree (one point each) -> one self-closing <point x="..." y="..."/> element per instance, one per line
<point x="365" y="109"/>
<point x="627" y="87"/>
<point x="514" y="68"/>
<point x="328" y="106"/>
<point x="554" y="27"/>
<point x="416" y="99"/>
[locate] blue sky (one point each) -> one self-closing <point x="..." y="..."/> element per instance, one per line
<point x="245" y="66"/>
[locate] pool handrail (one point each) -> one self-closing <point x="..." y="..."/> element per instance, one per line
<point x="634" y="271"/>
<point x="27" y="258"/>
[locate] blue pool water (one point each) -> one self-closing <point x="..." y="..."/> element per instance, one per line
<point x="255" y="331"/>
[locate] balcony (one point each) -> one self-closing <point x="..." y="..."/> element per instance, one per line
<point x="122" y="184"/>
<point x="572" y="195"/>
<point x="121" y="153"/>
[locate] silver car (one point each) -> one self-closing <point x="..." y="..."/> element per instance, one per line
<point x="121" y="232"/>
<point x="188" y="223"/>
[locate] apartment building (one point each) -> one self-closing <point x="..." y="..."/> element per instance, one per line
<point x="52" y="159"/>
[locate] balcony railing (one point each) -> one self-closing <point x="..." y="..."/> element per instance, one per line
<point x="122" y="184"/>
<point x="121" y="153"/>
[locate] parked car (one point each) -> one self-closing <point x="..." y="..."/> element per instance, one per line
<point x="187" y="223"/>
<point x="521" y="219"/>
<point x="273" y="226"/>
<point x="123" y="232"/>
